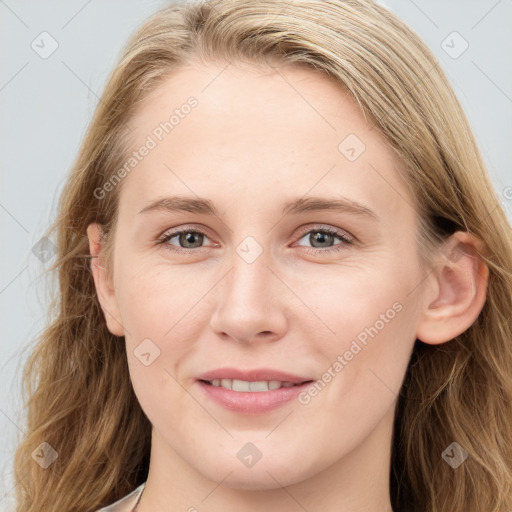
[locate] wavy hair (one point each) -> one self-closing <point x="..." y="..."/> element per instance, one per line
<point x="76" y="383"/>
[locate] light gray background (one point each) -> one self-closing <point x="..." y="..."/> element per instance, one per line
<point x="46" y="105"/>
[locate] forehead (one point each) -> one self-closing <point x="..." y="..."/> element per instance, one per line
<point x="225" y="130"/>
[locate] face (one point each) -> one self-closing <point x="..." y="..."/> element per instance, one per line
<point x="308" y="265"/>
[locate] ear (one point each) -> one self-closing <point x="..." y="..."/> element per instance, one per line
<point x="102" y="281"/>
<point x="457" y="291"/>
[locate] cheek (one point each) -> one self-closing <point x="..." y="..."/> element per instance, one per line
<point x="160" y="324"/>
<point x="373" y="365"/>
<point x="349" y="298"/>
<point x="158" y="315"/>
<point x="371" y="332"/>
<point x="362" y="376"/>
<point x="153" y="301"/>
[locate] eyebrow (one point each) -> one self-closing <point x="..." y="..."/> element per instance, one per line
<point x="297" y="206"/>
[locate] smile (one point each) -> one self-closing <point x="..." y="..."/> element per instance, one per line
<point x="247" y="386"/>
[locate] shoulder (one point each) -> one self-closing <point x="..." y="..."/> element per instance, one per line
<point x="125" y="504"/>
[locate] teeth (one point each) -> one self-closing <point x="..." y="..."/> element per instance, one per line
<point x="244" y="386"/>
<point x="240" y="385"/>
<point x="253" y="386"/>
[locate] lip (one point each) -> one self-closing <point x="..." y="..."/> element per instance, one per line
<point x="252" y="402"/>
<point x="256" y="374"/>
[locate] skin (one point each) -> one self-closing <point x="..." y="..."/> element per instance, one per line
<point x="259" y="138"/>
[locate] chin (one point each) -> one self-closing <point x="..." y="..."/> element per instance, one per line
<point x="262" y="476"/>
<point x="261" y="482"/>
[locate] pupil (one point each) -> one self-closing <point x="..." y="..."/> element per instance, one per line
<point x="320" y="237"/>
<point x="189" y="238"/>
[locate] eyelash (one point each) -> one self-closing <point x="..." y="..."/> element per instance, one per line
<point x="347" y="240"/>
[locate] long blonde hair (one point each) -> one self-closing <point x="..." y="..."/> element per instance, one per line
<point x="77" y="387"/>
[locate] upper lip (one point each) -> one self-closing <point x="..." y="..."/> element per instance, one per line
<point x="253" y="375"/>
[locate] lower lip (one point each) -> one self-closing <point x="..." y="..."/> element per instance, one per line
<point x="255" y="402"/>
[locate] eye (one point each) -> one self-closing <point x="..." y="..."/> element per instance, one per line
<point x="321" y="236"/>
<point x="187" y="239"/>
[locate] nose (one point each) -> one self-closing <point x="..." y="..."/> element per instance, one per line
<point x="250" y="303"/>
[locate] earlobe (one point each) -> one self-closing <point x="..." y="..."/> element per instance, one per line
<point x="458" y="292"/>
<point x="102" y="282"/>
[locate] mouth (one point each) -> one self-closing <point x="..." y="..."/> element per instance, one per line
<point x="251" y="397"/>
<point x="244" y="386"/>
<point x="251" y="391"/>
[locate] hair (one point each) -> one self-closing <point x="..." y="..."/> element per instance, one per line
<point x="76" y="384"/>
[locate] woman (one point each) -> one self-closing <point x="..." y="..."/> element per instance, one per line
<point x="257" y="369"/>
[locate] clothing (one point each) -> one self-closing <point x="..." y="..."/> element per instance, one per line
<point x="126" y="503"/>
